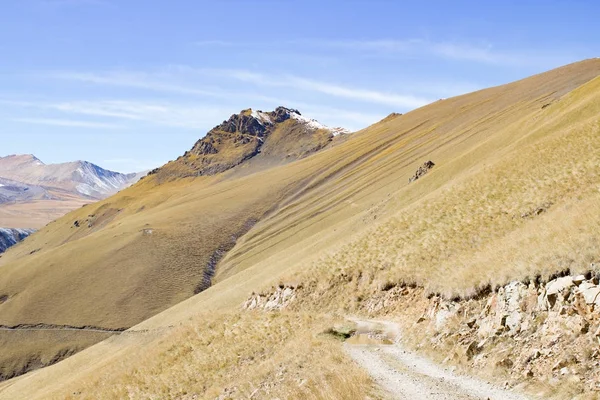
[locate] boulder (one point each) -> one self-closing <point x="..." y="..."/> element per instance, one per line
<point x="558" y="285"/>
<point x="590" y="292"/>
<point x="554" y="288"/>
<point x="423" y="169"/>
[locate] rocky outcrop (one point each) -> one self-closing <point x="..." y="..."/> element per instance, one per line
<point x="530" y="331"/>
<point x="547" y="331"/>
<point x="423" y="169"/>
<point x="277" y="299"/>
<point x="9" y="237"/>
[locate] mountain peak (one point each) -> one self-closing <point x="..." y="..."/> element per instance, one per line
<point x="19" y="159"/>
<point x="276" y="137"/>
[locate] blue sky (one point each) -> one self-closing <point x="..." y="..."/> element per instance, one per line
<point x="131" y="84"/>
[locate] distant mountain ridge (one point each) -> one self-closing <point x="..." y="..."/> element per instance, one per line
<point x="81" y="177"/>
<point x="33" y="193"/>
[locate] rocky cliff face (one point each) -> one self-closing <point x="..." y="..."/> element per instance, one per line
<point x="10" y="237"/>
<point x="268" y="138"/>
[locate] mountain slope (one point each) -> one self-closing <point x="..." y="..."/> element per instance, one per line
<point x="161" y="238"/>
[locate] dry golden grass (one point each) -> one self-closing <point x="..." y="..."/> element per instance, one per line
<point x="498" y="155"/>
<point x="249" y="355"/>
<point x="483" y="229"/>
<point x="37" y="213"/>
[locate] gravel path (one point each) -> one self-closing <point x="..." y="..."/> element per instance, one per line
<point x="406" y="375"/>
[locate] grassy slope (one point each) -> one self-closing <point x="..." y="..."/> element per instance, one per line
<point x="37" y="213"/>
<point x="481" y="143"/>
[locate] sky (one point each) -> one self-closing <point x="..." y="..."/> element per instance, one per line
<point x="131" y="84"/>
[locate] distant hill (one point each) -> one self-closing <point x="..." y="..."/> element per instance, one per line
<point x="33" y="193"/>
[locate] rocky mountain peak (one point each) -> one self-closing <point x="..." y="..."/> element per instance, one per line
<point x="281" y="135"/>
<point x="243" y="122"/>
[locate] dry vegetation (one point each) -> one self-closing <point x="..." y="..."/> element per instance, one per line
<point x="472" y="221"/>
<point x="37" y="213"/>
<point x="533" y="212"/>
<point x="251" y="355"/>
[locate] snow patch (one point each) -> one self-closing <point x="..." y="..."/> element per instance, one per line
<point x="314" y="124"/>
<point x="261" y="117"/>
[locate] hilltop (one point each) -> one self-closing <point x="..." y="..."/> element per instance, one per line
<point x="244" y="265"/>
<point x="258" y="139"/>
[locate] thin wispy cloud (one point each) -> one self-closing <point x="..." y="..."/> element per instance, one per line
<point x="153" y="113"/>
<point x="138" y="80"/>
<point x="330" y="89"/>
<point x="164" y="114"/>
<point x="153" y="82"/>
<point x="214" y="43"/>
<point x="482" y="52"/>
<point x="163" y="82"/>
<point x="71" y="3"/>
<point x="67" y="123"/>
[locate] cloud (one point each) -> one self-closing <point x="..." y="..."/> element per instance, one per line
<point x="67" y="123"/>
<point x="163" y="82"/>
<point x="166" y="114"/>
<point x="74" y="2"/>
<point x="139" y="80"/>
<point x="330" y="89"/>
<point x="214" y="43"/>
<point x="482" y="52"/>
<point x="155" y="113"/>
<point x="153" y="82"/>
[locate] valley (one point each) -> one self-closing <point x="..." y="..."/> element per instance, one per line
<point x="228" y="271"/>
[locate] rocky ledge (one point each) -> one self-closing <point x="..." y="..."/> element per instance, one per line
<point x="533" y="333"/>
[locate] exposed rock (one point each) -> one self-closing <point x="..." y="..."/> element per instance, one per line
<point x="280" y="298"/>
<point x="9" y="237"/>
<point x="423" y="169"/>
<point x="472" y="350"/>
<point x="536" y="211"/>
<point x="556" y="288"/>
<point x="577" y="280"/>
<point x="559" y="284"/>
<point x="590" y="293"/>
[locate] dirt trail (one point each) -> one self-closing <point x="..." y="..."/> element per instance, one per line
<point x="53" y="327"/>
<point x="403" y="374"/>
